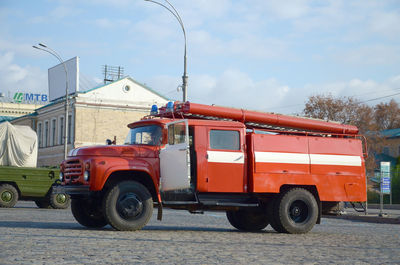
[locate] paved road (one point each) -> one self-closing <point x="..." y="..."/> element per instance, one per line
<point x="29" y="235"/>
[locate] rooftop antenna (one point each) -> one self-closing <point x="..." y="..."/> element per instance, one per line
<point x="112" y="73"/>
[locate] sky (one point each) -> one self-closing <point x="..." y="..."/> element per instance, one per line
<point x="267" y="55"/>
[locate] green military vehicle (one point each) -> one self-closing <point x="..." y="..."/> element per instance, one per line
<point x="20" y="179"/>
<point x="33" y="184"/>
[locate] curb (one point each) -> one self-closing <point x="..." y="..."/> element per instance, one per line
<point x="368" y="219"/>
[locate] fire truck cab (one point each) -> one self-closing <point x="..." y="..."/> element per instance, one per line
<point x="197" y="158"/>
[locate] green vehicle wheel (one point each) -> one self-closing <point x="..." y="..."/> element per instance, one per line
<point x="60" y="200"/>
<point x="8" y="196"/>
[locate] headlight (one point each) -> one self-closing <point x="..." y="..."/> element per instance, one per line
<point x="86" y="175"/>
<point x="61" y="176"/>
<point x="70" y="153"/>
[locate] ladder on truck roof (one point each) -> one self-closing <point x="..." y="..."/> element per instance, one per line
<point x="255" y="119"/>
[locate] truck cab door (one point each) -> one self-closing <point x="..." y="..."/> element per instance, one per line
<point x="175" y="158"/>
<point x="226" y="160"/>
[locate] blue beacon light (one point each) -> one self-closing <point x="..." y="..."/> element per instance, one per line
<point x="170" y="106"/>
<point x="154" y="110"/>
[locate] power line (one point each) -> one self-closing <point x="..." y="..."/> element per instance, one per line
<point x="380" y="98"/>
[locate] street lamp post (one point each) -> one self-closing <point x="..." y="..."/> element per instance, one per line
<point x="175" y="13"/>
<point x="55" y="54"/>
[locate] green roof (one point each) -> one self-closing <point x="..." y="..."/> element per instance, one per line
<point x="391" y="133"/>
<point x="6" y="118"/>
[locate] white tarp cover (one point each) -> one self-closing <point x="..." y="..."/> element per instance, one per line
<point x="18" y="145"/>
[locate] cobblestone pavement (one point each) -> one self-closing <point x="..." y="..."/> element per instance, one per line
<point x="29" y="235"/>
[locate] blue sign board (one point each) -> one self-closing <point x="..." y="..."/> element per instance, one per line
<point x="385" y="178"/>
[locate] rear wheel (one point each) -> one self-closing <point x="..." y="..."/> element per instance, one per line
<point x="296" y="211"/>
<point x="246" y="220"/>
<point x="88" y="213"/>
<point x="272" y="215"/>
<point x="128" y="206"/>
<point x="8" y="196"/>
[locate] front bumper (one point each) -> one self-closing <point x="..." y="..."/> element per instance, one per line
<point x="73" y="190"/>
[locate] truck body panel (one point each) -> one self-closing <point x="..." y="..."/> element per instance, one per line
<point x="335" y="166"/>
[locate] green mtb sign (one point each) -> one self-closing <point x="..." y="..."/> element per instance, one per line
<point x="18" y="97"/>
<point x="29" y="97"/>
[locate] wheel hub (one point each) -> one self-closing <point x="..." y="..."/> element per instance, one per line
<point x="6" y="196"/>
<point x="298" y="211"/>
<point x="61" y="198"/>
<point x="129" y="206"/>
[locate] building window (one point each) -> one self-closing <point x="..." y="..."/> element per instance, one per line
<point x="53" y="132"/>
<point x="39" y="134"/>
<point x="70" y="129"/>
<point x="61" y="131"/>
<point x="126" y="88"/>
<point x="46" y="134"/>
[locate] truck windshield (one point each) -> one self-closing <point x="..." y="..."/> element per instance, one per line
<point x="148" y="135"/>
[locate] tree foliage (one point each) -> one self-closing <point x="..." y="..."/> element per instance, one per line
<point x="348" y="110"/>
<point x="370" y="120"/>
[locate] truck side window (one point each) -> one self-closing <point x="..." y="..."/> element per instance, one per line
<point x="176" y="134"/>
<point x="224" y="140"/>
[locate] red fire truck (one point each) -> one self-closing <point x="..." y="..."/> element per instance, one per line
<point x="260" y="168"/>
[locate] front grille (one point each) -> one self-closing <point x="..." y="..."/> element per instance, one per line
<point x="72" y="170"/>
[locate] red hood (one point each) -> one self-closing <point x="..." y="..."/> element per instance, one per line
<point x="108" y="150"/>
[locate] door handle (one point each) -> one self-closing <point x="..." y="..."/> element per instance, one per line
<point x="182" y="149"/>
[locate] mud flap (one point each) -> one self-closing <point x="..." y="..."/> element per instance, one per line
<point x="319" y="212"/>
<point x="159" y="212"/>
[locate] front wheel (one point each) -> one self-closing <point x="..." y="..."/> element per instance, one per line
<point x="296" y="211"/>
<point x="8" y="196"/>
<point x="59" y="200"/>
<point x="246" y="220"/>
<point x="128" y="206"/>
<point x="87" y="213"/>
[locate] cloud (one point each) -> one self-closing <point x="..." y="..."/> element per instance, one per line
<point x="237" y="89"/>
<point x="376" y="54"/>
<point x="16" y="78"/>
<point x="249" y="46"/>
<point x="386" y="24"/>
<point x="363" y="90"/>
<point x="232" y="88"/>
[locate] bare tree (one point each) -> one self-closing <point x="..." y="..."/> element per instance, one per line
<point x="369" y="120"/>
<point x="345" y="110"/>
<point x="387" y="115"/>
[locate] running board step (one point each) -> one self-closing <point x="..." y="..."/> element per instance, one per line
<point x="229" y="204"/>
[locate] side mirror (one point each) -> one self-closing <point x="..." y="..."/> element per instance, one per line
<point x="108" y="142"/>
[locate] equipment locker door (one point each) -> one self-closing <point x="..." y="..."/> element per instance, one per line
<point x="175" y="158"/>
<point x="225" y="160"/>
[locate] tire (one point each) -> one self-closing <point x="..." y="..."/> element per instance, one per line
<point x="43" y="203"/>
<point x="296" y="211"/>
<point x="88" y="213"/>
<point x="59" y="200"/>
<point x="272" y="214"/>
<point x="128" y="206"/>
<point x="8" y="196"/>
<point x="245" y="220"/>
